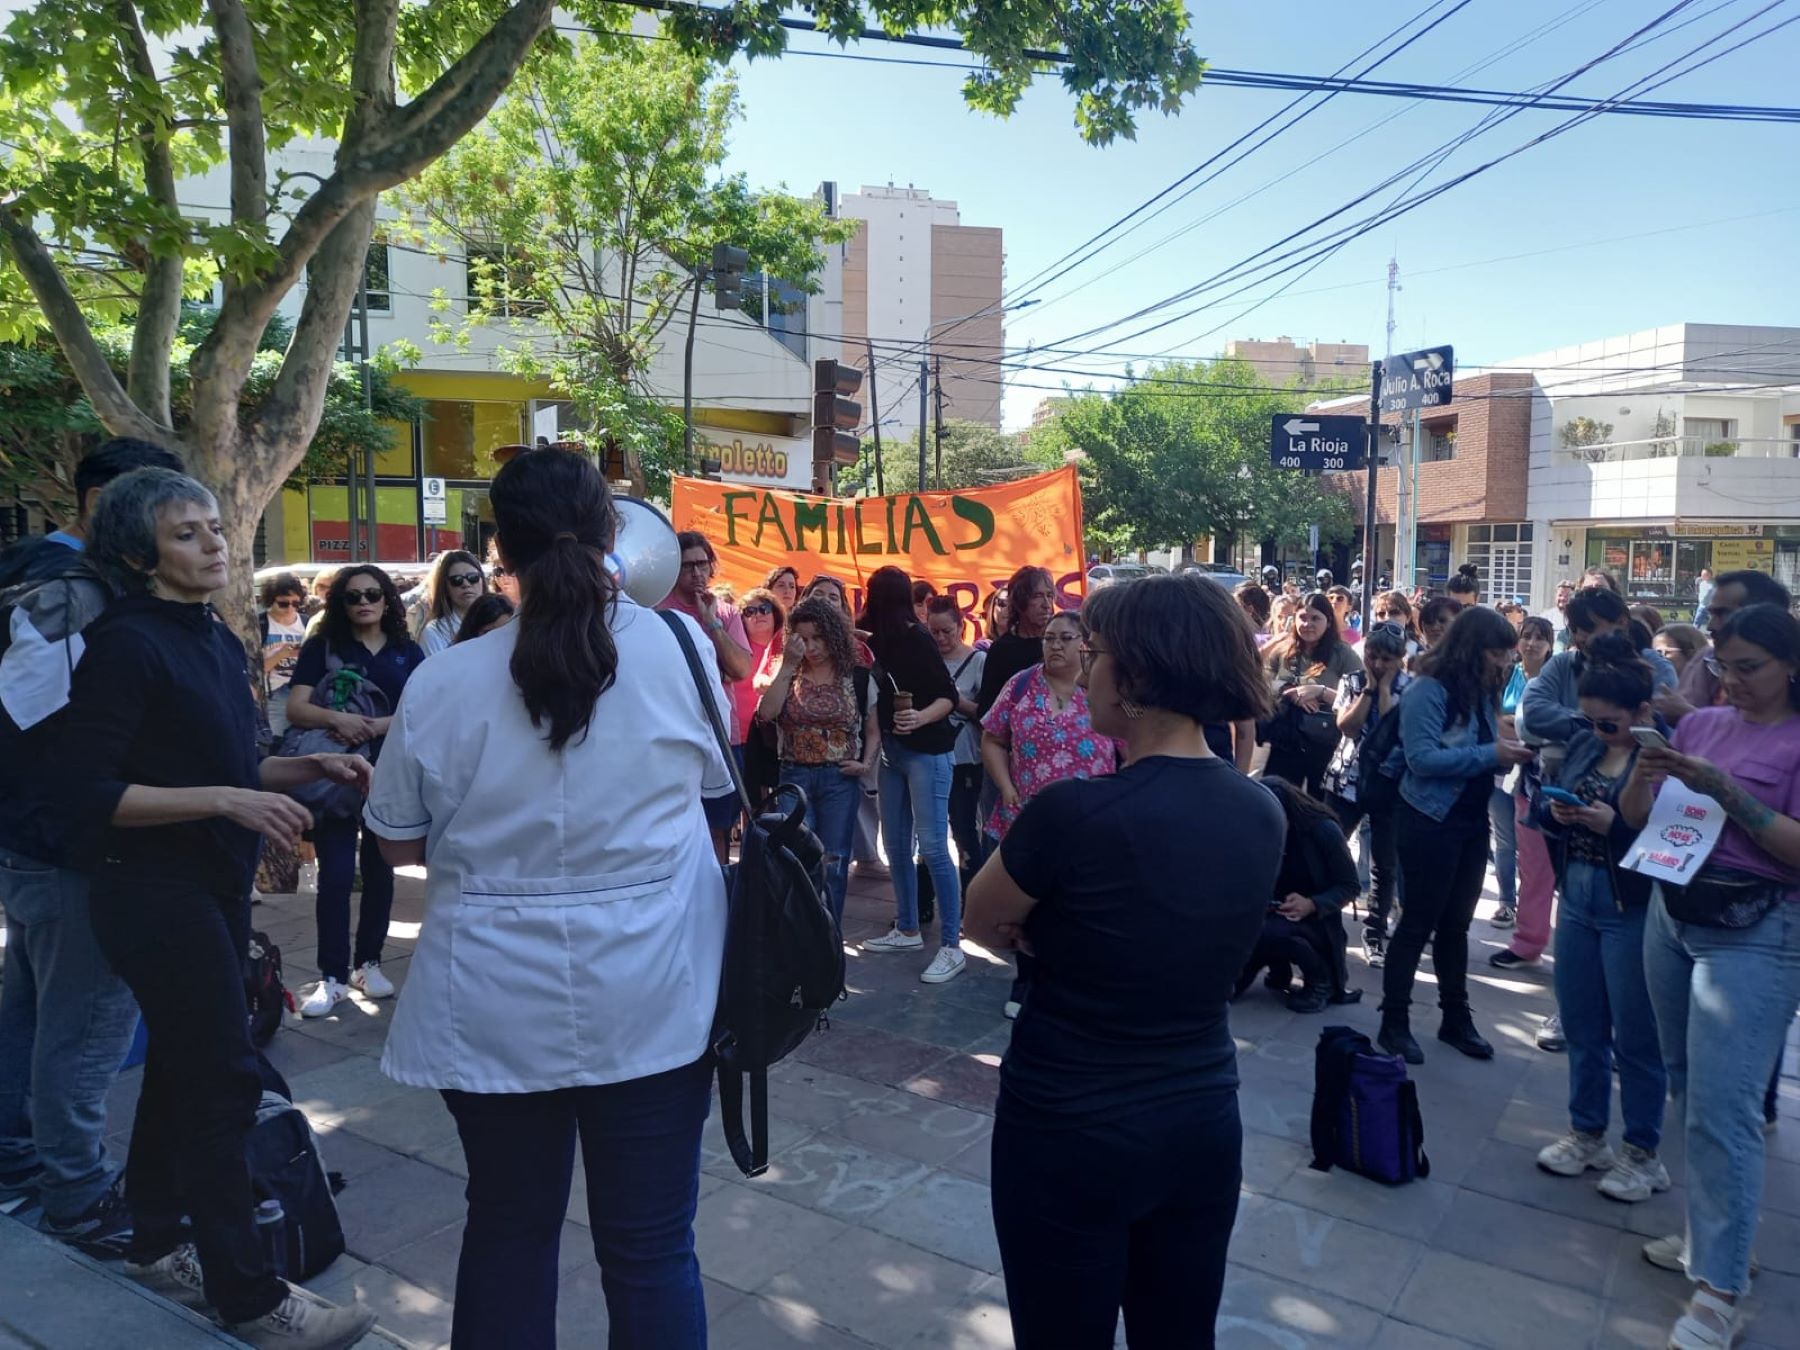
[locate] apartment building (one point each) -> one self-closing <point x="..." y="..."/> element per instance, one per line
<point x="1283" y="361"/>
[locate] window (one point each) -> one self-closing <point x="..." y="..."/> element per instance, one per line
<point x="375" y="279"/>
<point x="500" y="287"/>
<point x="1503" y="553"/>
<point x="458" y="439"/>
<point x="1709" y="428"/>
<point x="1439" y="441"/>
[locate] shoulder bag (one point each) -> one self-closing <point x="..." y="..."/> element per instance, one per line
<point x="1722" y="897"/>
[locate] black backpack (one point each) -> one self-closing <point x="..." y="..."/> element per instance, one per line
<point x="1376" y="792"/>
<point x="263" y="989"/>
<point x="784" y="955"/>
<point x="285" y="1166"/>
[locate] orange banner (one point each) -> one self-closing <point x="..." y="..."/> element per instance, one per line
<point x="966" y="542"/>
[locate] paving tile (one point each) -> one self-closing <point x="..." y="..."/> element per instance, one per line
<point x="1516" y="1237"/>
<point x="1497" y="1308"/>
<point x="975" y="1162"/>
<point x="1643" y="1301"/>
<point x="980" y="1322"/>
<point x="869" y="1053"/>
<point x="412" y="1122"/>
<point x="1269" y="1161"/>
<point x="294" y="1054"/>
<point x="744" y="1235"/>
<point x="400" y="1306"/>
<point x="1403" y="1336"/>
<point x="1332" y="1255"/>
<point x="398" y="1204"/>
<point x="947" y="1214"/>
<point x="874" y="1286"/>
<point x="1411" y="1211"/>
<point x="912" y="1126"/>
<point x="776" y="1324"/>
<point x="829" y="1173"/>
<point x="1259" y="1311"/>
<point x="351" y="1154"/>
<point x="971" y="1081"/>
<point x="1512" y="1173"/>
<point x="349" y="1088"/>
<point x="816" y="1097"/>
<point x="431" y="1262"/>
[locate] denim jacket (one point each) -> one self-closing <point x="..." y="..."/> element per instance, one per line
<point x="1628" y="888"/>
<point x="1440" y="756"/>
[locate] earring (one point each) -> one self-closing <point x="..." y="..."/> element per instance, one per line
<point x="1132" y="710"/>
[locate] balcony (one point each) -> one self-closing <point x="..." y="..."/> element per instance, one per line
<point x="1680" y="447"/>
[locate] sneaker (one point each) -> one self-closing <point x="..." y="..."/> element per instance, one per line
<point x="1506" y="959"/>
<point x="1710" y="1323"/>
<point x="872" y="871"/>
<point x="1576" y="1153"/>
<point x="944" y="967"/>
<point x="1375" y="950"/>
<point x="104" y="1231"/>
<point x="894" y="941"/>
<point x="325" y="996"/>
<point x="1550" y="1036"/>
<point x="1011" y="1011"/>
<point x="1637" y="1175"/>
<point x="1670" y="1253"/>
<point x="176" y="1277"/>
<point x="1505" y="917"/>
<point x="300" y="1323"/>
<point x="368" y="978"/>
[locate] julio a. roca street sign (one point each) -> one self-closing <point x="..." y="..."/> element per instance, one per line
<point x="1314" y="444"/>
<point x="1420" y="379"/>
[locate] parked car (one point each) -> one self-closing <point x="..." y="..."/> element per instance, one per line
<point x="1105" y="574"/>
<point x="1219" y="572"/>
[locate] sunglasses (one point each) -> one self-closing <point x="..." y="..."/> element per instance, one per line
<point x="759" y="607"/>
<point x="288" y="603"/>
<point x="497" y="572"/>
<point x="1604" y="725"/>
<point x="369" y="597"/>
<point x="1393" y="629"/>
<point x="464" y="578"/>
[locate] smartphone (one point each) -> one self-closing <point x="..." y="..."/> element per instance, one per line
<point x="1650" y="738"/>
<point x="1557" y="794"/>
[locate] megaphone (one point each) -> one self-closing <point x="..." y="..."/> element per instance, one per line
<point x="646" y="554"/>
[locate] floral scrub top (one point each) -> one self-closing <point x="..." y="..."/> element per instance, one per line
<point x="1046" y="744"/>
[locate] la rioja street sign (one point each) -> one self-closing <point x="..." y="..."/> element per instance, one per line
<point x="1316" y="444"/>
<point x="1417" y="379"/>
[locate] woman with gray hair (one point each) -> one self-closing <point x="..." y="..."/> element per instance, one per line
<point x="164" y="792"/>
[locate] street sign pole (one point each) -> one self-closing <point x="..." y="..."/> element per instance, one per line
<point x="1370" y="559"/>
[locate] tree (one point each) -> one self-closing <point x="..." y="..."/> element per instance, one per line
<point x="975" y="455"/>
<point x="589" y="204"/>
<point x="47" y="423"/>
<point x="1183" y="451"/>
<point x="110" y="104"/>
<point x="1587" y="437"/>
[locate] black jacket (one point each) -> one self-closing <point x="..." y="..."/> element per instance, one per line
<point x="1317" y="863"/>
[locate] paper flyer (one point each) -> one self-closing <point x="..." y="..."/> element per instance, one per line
<point x="1683" y="829"/>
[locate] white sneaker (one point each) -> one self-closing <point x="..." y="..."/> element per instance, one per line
<point x="176" y="1276"/>
<point x="1670" y="1253"/>
<point x="368" y="978"/>
<point x="1550" y="1035"/>
<point x="1710" y="1323"/>
<point x="945" y="966"/>
<point x="302" y="1323"/>
<point x="1637" y="1175"/>
<point x="894" y="941"/>
<point x="1576" y="1153"/>
<point x="325" y="996"/>
<point x="1011" y="1011"/>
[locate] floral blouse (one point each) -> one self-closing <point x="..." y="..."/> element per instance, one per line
<point x="820" y="723"/>
<point x="1045" y="744"/>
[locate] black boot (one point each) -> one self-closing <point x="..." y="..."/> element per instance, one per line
<point x="1396" y="1036"/>
<point x="1458" y="1029"/>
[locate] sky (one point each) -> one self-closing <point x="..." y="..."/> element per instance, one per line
<point x="1627" y="222"/>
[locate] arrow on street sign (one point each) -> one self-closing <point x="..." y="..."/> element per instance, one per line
<point x="1421" y="379"/>
<point x="1317" y="444"/>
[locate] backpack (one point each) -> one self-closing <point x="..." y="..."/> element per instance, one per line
<point x="41" y="621"/>
<point x="285" y="1166"/>
<point x="344" y="689"/>
<point x="784" y="955"/>
<point x="1378" y="792"/>
<point x="1365" y="1111"/>
<point x="263" y="989"/>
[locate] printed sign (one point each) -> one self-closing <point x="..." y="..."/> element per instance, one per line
<point x="1683" y="829"/>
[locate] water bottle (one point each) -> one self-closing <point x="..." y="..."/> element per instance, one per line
<point x="271" y="1230"/>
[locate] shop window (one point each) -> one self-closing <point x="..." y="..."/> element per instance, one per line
<point x="397" y="460"/>
<point x="376" y="285"/>
<point x="458" y="439"/>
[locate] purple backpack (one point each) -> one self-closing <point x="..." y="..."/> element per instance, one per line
<point x="1365" y="1112"/>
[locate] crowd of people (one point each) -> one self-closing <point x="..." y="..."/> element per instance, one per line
<point x="1035" y="779"/>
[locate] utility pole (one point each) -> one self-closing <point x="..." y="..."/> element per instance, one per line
<point x="924" y="393"/>
<point x="875" y="421"/>
<point x="1370" y="559"/>
<point x="687" y="378"/>
<point x="938" y="381"/>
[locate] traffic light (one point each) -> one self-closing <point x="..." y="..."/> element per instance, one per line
<point x="728" y="265"/>
<point x="835" y="415"/>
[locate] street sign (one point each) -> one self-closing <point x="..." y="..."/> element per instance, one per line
<point x="1315" y="444"/>
<point x="1417" y="379"/>
<point x="437" y="505"/>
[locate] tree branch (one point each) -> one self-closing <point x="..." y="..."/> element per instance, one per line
<point x="242" y="85"/>
<point x="159" y="305"/>
<point x="111" y="403"/>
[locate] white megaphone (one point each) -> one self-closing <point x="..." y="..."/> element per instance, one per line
<point x="646" y="554"/>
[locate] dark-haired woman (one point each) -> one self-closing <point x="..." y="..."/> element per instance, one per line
<point x="551" y="777"/>
<point x="491" y="611"/>
<point x="1536" y="889"/>
<point x="784" y="583"/>
<point x="1030" y="601"/>
<point x="1254" y="601"/>
<point x="1725" y="996"/>
<point x="363" y="630"/>
<point x="1117" y="1143"/>
<point x="1304" y="670"/>
<point x="455" y="583"/>
<point x="1435" y="617"/>
<point x="1304" y="928"/>
<point x="1451" y="747"/>
<point x="1601" y="994"/>
<point x="283" y="630"/>
<point x="765" y="627"/>
<point x="916" y="699"/>
<point x="1465" y="586"/>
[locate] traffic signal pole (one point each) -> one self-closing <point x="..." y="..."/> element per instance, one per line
<point x="875" y="423"/>
<point x="1373" y="451"/>
<point x="924" y="393"/>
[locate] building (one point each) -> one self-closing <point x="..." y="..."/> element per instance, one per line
<point x="1467" y="480"/>
<point x="925" y="288"/>
<point x="1666" y="451"/>
<point x="1285" y="362"/>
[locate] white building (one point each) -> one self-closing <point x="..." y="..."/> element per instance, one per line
<point x="1664" y="452"/>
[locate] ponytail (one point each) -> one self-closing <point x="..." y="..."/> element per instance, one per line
<point x="553" y="518"/>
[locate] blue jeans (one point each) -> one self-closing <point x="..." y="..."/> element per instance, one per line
<point x="66" y="1021"/>
<point x="1724" y="1000"/>
<point x="831" y="802"/>
<point x="1502" y="816"/>
<point x="640" y="1146"/>
<point x="915" y="798"/>
<point x="336" y="842"/>
<point x="1606" y="1013"/>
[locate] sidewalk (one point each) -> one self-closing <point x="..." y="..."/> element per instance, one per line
<point x="872" y="1227"/>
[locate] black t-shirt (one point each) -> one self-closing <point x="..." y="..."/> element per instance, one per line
<point x="910" y="661"/>
<point x="1152" y="884"/>
<point x="388" y="669"/>
<point x="1006" y="658"/>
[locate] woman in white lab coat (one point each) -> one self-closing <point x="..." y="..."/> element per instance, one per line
<point x="550" y="778"/>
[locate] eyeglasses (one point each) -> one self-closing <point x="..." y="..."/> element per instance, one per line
<point x="758" y="607"/>
<point x="286" y="602"/>
<point x="1060" y="639"/>
<point x="464" y="578"/>
<point x="696" y="564"/>
<point x="498" y="572"/>
<point x="1744" y="670"/>
<point x="369" y="597"/>
<point x="1088" y="656"/>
